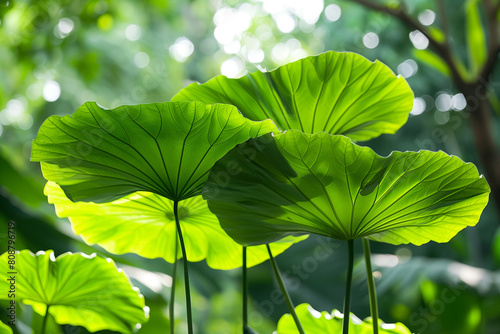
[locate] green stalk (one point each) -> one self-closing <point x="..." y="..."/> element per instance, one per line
<point x="371" y="285"/>
<point x="186" y="270"/>
<point x="288" y="300"/>
<point x="172" y="288"/>
<point x="245" y="291"/>
<point x="347" y="298"/>
<point x="44" y="323"/>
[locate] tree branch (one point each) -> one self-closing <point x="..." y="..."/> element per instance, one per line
<point x="493" y="42"/>
<point x="441" y="49"/>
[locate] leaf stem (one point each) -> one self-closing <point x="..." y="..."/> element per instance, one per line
<point x="371" y="285"/>
<point x="288" y="300"/>
<point x="347" y="298"/>
<point x="172" y="288"/>
<point x="44" y="323"/>
<point x="245" y="291"/>
<point x="186" y="270"/>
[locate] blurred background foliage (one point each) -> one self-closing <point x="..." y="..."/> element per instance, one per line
<point x="57" y="54"/>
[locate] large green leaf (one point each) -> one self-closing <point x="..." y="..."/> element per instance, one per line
<point x="81" y="290"/>
<point x="143" y="223"/>
<point x="166" y="148"/>
<point x="340" y="93"/>
<point x="294" y="183"/>
<point x="315" y="322"/>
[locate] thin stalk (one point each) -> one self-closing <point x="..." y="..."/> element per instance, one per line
<point x="245" y="291"/>
<point x="172" y="289"/>
<point x="371" y="285"/>
<point x="347" y="298"/>
<point x="186" y="270"/>
<point x="44" y="323"/>
<point x="288" y="300"/>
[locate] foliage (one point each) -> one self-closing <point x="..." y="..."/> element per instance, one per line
<point x="76" y="289"/>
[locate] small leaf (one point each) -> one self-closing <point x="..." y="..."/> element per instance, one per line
<point x="315" y="322"/>
<point x="475" y="35"/>
<point x="340" y="93"/>
<point x="343" y="191"/>
<point x="143" y="223"/>
<point x="167" y="148"/>
<point x="433" y="60"/>
<point x="81" y="290"/>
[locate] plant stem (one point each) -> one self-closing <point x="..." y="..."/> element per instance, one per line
<point x="371" y="285"/>
<point x="284" y="291"/>
<point x="172" y="288"/>
<point x="245" y="291"/>
<point x="186" y="270"/>
<point x="44" y="323"/>
<point x="347" y="298"/>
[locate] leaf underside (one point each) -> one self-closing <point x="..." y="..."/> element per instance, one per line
<point x="100" y="155"/>
<point x="295" y="183"/>
<point x="143" y="223"/>
<point x="81" y="290"/>
<point x="339" y="93"/>
<point x="315" y="322"/>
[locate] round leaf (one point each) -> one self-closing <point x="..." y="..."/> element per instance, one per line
<point x="143" y="223"/>
<point x="168" y="148"/>
<point x="339" y="93"/>
<point x="81" y="290"/>
<point x="296" y="183"/>
<point x="315" y="322"/>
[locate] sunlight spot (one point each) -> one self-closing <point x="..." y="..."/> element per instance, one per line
<point x="418" y="106"/>
<point x="133" y="32"/>
<point x="458" y="102"/>
<point x="285" y="22"/>
<point x="427" y="17"/>
<point x="333" y="12"/>
<point x="418" y="40"/>
<point x="233" y="67"/>
<point x="280" y="53"/>
<point x="468" y="274"/>
<point x="385" y="260"/>
<point x="64" y="28"/>
<point x="233" y="47"/>
<point x="370" y="40"/>
<point x="443" y="102"/>
<point x="407" y="68"/>
<point x="51" y="91"/>
<point x="181" y="49"/>
<point x="256" y="56"/>
<point x="441" y="117"/>
<point x="141" y="59"/>
<point x="377" y="274"/>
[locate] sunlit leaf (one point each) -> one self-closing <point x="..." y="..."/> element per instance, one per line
<point x="5" y="329"/>
<point x="293" y="183"/>
<point x="433" y="60"/>
<point x="167" y="148"/>
<point x="340" y="93"/>
<point x="81" y="290"/>
<point x="476" y="42"/>
<point x="315" y="322"/>
<point x="143" y="223"/>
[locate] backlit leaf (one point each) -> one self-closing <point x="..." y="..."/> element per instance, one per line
<point x="293" y="183"/>
<point x="143" y="223"/>
<point x="81" y="290"/>
<point x="101" y="155"/>
<point x="340" y="93"/>
<point x="315" y="322"/>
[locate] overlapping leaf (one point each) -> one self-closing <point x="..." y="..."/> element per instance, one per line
<point x="143" y="223"/>
<point x="340" y="93"/>
<point x="315" y="322"/>
<point x="81" y="290"/>
<point x="294" y="183"/>
<point x="167" y="148"/>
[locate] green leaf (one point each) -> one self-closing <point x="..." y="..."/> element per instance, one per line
<point x="167" y="148"/>
<point x="293" y="183"/>
<point x="81" y="290"/>
<point x="5" y="329"/>
<point x="143" y="223"/>
<point x="475" y="35"/>
<point x="340" y="93"/>
<point x="433" y="60"/>
<point x="315" y="322"/>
